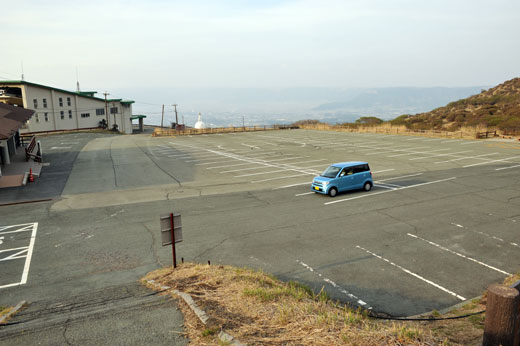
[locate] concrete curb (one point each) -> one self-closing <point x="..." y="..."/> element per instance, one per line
<point x="18" y="306"/>
<point x="203" y="317"/>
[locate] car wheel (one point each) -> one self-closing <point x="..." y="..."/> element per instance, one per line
<point x="333" y="192"/>
<point x="367" y="186"/>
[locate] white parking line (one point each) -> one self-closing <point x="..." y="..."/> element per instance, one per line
<point x="483" y="163"/>
<point x="378" y="193"/>
<point x="342" y="290"/>
<point x="28" y="249"/>
<point x="292" y="185"/>
<point x="466" y="158"/>
<point x="394" y="178"/>
<point x="384" y="170"/>
<point x="286" y="177"/>
<point x="413" y="274"/>
<point x="499" y="169"/>
<point x="472" y="142"/>
<point x="418" y="152"/>
<point x="459" y="254"/>
<point x="452" y="140"/>
<point x="443" y="154"/>
<point x="304" y="194"/>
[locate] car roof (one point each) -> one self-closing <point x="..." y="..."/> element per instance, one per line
<point x="349" y="163"/>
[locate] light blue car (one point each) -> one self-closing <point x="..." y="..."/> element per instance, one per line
<point x="343" y="176"/>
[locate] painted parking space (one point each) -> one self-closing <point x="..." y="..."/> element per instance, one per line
<point x="16" y="249"/>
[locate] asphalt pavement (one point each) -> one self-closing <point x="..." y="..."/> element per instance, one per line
<point x="438" y="227"/>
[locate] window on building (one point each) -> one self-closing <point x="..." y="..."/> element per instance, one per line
<point x="35" y="101"/>
<point x="68" y="101"/>
<point x="70" y="114"/>
<point x="113" y="110"/>
<point x="37" y="118"/>
<point x="46" y="115"/>
<point x="44" y="103"/>
<point x="100" y="111"/>
<point x="62" y="115"/>
<point x="85" y="115"/>
<point x="61" y="101"/>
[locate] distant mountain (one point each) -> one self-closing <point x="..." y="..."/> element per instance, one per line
<point x="382" y="101"/>
<point x="498" y="106"/>
<point x="226" y="106"/>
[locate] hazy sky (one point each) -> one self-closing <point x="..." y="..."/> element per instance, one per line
<point x="261" y="43"/>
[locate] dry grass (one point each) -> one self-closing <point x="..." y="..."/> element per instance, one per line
<point x="4" y="310"/>
<point x="257" y="309"/>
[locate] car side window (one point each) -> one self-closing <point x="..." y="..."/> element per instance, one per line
<point x="361" y="168"/>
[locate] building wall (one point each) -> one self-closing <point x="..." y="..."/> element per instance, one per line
<point x="67" y="111"/>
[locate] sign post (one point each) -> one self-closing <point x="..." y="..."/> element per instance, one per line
<point x="171" y="232"/>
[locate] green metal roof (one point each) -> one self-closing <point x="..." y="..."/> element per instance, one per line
<point x="137" y="116"/>
<point x="86" y="94"/>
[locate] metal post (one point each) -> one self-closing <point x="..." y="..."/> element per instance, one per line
<point x="173" y="241"/>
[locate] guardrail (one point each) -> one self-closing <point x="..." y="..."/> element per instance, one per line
<point x="158" y="131"/>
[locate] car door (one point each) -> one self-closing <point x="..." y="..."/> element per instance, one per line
<point x="358" y="177"/>
<point x="345" y="181"/>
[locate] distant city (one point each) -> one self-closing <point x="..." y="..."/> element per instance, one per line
<point x="254" y="106"/>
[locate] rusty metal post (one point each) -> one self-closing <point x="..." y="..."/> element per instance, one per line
<point x="173" y="242"/>
<point x="501" y="315"/>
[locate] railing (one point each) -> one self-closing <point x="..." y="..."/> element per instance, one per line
<point x="465" y="132"/>
<point x="158" y="131"/>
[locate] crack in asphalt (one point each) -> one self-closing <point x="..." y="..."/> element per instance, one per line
<point x="152" y="246"/>
<point x="64" y="334"/>
<point x="113" y="165"/>
<point x="157" y="165"/>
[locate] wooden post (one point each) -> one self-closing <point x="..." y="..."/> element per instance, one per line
<point x="501" y="315"/>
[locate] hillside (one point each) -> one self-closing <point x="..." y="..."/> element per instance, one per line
<point x="497" y="107"/>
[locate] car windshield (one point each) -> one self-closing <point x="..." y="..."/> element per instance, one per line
<point x="331" y="172"/>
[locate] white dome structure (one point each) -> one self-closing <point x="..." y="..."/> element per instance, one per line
<point x="199" y="124"/>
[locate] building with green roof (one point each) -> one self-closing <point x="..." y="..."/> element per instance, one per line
<point x="57" y="109"/>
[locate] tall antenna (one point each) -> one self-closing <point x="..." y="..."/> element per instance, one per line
<point x="22" y="70"/>
<point x="77" y="80"/>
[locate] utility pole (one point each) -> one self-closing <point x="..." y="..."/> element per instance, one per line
<point x="106" y="106"/>
<point x="162" y="117"/>
<point x="176" y="117"/>
<point x="243" y="123"/>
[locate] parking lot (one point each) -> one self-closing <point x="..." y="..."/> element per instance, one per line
<point x="438" y="227"/>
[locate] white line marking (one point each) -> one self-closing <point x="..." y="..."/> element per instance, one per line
<point x="499" y="169"/>
<point x="304" y="194"/>
<point x="434" y="155"/>
<point x="472" y="142"/>
<point x="384" y="170"/>
<point x="16" y="255"/>
<point x="292" y="185"/>
<point x="394" y="178"/>
<point x="452" y="140"/>
<point x="385" y="187"/>
<point x="418" y="152"/>
<point x="378" y="193"/>
<point x="289" y="176"/>
<point x="335" y="285"/>
<point x="15" y="249"/>
<point x="466" y="158"/>
<point x="459" y="254"/>
<point x="29" y="255"/>
<point x="457" y="225"/>
<point x="413" y="274"/>
<point x="250" y="146"/>
<point x="483" y="163"/>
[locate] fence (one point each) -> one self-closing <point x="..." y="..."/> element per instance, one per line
<point x="191" y="131"/>
<point x="465" y="132"/>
